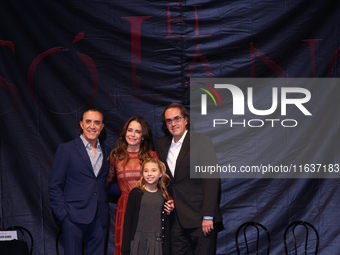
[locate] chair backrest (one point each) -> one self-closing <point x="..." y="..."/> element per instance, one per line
<point x="22" y="230"/>
<point x="306" y="225"/>
<point x="255" y="225"/>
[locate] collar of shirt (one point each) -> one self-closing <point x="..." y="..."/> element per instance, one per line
<point x="96" y="160"/>
<point x="87" y="144"/>
<point x="180" y="141"/>
<point x="174" y="152"/>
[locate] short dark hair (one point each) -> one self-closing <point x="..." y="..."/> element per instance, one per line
<point x="92" y="110"/>
<point x="183" y="110"/>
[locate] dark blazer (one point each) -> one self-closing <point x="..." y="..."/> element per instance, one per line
<point x="131" y="222"/>
<point x="74" y="189"/>
<point x="194" y="197"/>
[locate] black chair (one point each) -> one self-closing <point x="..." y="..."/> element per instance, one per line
<point x="306" y="225"/>
<point x="22" y="230"/>
<point x="256" y="225"/>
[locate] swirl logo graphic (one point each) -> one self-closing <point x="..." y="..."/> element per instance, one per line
<point x="204" y="97"/>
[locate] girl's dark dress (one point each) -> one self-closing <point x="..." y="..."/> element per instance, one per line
<point x="146" y="225"/>
<point x="147" y="238"/>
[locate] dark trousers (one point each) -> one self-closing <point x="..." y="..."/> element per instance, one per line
<point x="191" y="241"/>
<point x="93" y="235"/>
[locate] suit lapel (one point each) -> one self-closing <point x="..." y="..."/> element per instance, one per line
<point x="83" y="153"/>
<point x="105" y="161"/>
<point x="184" y="149"/>
<point x="164" y="155"/>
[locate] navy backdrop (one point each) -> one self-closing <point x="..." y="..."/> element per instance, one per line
<point x="126" y="58"/>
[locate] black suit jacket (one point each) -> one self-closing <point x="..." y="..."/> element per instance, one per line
<point x="194" y="197"/>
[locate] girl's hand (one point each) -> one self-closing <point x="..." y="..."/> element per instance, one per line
<point x="169" y="206"/>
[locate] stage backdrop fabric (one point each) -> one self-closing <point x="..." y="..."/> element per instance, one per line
<point x="58" y="58"/>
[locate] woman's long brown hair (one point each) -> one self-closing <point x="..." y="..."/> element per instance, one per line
<point x="120" y="151"/>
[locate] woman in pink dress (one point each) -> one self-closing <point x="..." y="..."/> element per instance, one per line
<point x="133" y="146"/>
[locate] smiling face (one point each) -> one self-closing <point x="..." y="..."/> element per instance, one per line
<point x="134" y="136"/>
<point x="92" y="124"/>
<point x="151" y="174"/>
<point x="175" y="127"/>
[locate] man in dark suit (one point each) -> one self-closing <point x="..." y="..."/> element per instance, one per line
<point x="77" y="188"/>
<point x="193" y="228"/>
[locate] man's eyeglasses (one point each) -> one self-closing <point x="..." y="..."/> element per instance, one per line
<point x="175" y="120"/>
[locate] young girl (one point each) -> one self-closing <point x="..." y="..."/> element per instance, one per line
<point x="146" y="225"/>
